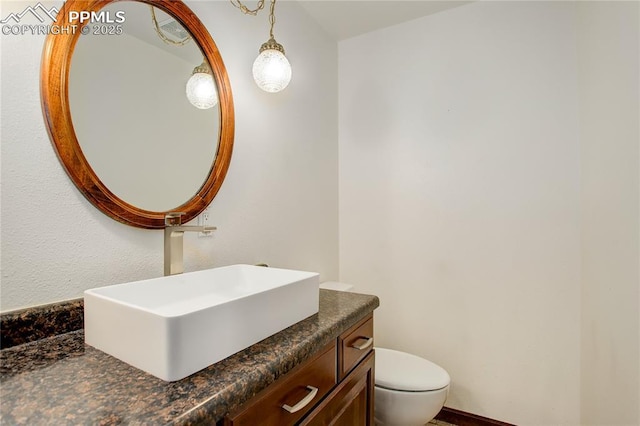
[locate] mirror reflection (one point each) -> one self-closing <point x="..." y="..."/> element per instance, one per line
<point x="138" y="130"/>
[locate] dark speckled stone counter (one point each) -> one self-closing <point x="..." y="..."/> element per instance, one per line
<point x="39" y="322"/>
<point x="59" y="380"/>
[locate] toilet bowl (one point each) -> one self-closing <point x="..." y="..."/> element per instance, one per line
<point x="409" y="390"/>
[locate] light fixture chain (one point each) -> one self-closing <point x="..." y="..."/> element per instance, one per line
<point x="246" y="10"/>
<point x="163" y="37"/>
<point x="254" y="12"/>
<point x="272" y="17"/>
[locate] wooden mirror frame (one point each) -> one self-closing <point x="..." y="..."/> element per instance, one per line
<point x="54" y="89"/>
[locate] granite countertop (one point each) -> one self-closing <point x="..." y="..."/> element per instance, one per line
<point x="60" y="380"/>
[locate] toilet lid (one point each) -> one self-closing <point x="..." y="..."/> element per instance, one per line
<point x="401" y="371"/>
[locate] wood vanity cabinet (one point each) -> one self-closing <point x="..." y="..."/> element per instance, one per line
<point x="334" y="387"/>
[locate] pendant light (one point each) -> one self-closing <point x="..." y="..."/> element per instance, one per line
<point x="271" y="69"/>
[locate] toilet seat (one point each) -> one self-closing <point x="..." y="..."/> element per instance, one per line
<point x="401" y="371"/>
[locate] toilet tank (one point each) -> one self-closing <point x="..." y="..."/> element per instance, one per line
<point x="336" y="285"/>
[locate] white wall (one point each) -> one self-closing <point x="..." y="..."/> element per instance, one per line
<point x="278" y="203"/>
<point x="610" y="119"/>
<point x="462" y="195"/>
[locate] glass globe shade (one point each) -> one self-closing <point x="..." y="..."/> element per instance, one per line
<point x="271" y="70"/>
<point x="201" y="90"/>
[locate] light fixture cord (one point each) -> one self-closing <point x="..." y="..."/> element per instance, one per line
<point x="163" y="37"/>
<point x="254" y="12"/>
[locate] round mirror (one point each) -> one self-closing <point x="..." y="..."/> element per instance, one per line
<point x="132" y="135"/>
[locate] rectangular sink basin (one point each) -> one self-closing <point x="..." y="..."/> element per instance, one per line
<point x="174" y="326"/>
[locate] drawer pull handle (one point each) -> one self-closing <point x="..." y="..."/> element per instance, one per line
<point x="365" y="345"/>
<point x="303" y="402"/>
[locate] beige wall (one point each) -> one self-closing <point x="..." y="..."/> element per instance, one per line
<point x="610" y="117"/>
<point x="470" y="202"/>
<point x="278" y="203"/>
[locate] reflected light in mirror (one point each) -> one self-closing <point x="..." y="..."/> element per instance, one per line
<point x="201" y="89"/>
<point x="130" y="121"/>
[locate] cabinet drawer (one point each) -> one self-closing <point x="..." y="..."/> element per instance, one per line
<point x="354" y="344"/>
<point x="291" y="397"/>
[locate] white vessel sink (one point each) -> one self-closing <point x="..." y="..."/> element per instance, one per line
<point x="173" y="326"/>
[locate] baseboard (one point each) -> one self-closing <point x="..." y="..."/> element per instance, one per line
<point x="461" y="418"/>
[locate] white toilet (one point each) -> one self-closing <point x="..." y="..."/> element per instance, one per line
<point x="409" y="390"/>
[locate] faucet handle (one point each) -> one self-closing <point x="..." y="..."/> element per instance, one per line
<point x="173" y="218"/>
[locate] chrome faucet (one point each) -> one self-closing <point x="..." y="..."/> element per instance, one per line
<point x="173" y="242"/>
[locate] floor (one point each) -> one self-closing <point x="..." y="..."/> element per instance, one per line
<point x="440" y="423"/>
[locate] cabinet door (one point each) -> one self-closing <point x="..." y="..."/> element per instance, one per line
<point x="351" y="403"/>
